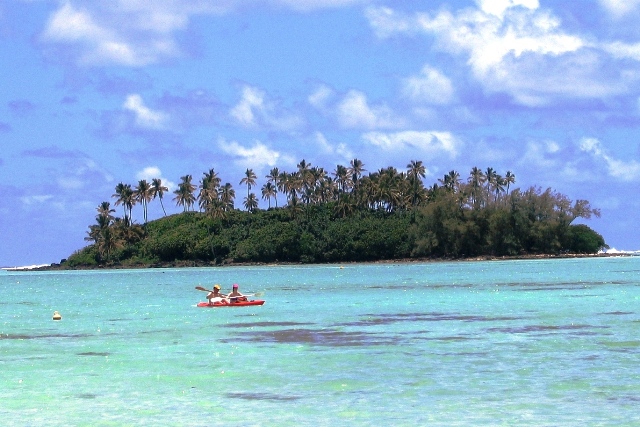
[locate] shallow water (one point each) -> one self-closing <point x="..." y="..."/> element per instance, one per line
<point x="527" y="343"/>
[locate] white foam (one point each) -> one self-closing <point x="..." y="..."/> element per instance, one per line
<point x="621" y="252"/>
<point x="25" y="267"/>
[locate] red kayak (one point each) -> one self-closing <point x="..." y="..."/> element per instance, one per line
<point x="231" y="304"/>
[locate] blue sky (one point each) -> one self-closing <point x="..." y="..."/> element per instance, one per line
<point x="97" y="92"/>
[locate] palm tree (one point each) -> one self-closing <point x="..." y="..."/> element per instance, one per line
<point x="269" y="191"/>
<point x="476" y="179"/>
<point x="227" y="196"/>
<point x="143" y="195"/>
<point x="306" y="179"/>
<point x="251" y="202"/>
<point x="212" y="178"/>
<point x="355" y="170"/>
<point x="490" y="176"/>
<point x="325" y="190"/>
<point x="451" y="181"/>
<point x="282" y="184"/>
<point x="342" y="177"/>
<point x="158" y="190"/>
<point x="103" y="234"/>
<point x="104" y="210"/>
<point x="498" y="186"/>
<point x="108" y="242"/>
<point x="317" y="177"/>
<point x="416" y="171"/>
<point x="184" y="193"/>
<point x="293" y="206"/>
<point x="274" y="178"/>
<point x="207" y="196"/>
<point x="249" y="179"/>
<point x="209" y="190"/>
<point x="103" y="219"/>
<point x="509" y="178"/>
<point x="124" y="194"/>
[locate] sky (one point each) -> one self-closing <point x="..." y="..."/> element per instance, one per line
<point x="98" y="92"/>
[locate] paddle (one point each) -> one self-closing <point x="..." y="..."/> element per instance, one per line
<point x="257" y="294"/>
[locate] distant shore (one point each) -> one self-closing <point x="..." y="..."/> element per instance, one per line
<point x="191" y="263"/>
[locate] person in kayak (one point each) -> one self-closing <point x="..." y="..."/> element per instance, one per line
<point x="235" y="295"/>
<point x="215" y="295"/>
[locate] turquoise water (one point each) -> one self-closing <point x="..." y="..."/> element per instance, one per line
<point x="513" y="343"/>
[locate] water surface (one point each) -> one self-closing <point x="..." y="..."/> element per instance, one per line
<point x="527" y="343"/>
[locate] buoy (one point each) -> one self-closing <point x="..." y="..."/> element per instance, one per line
<point x="56" y="316"/>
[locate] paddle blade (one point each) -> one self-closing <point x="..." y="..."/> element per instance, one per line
<point x="200" y="288"/>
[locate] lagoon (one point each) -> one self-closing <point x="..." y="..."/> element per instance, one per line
<point x="521" y="342"/>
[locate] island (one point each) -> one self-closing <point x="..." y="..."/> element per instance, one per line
<point x="343" y="216"/>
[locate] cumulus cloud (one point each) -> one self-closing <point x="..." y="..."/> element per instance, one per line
<point x="325" y="147"/>
<point x="541" y="155"/>
<point x="321" y="97"/>
<point x="151" y="172"/>
<point x="430" y="86"/>
<point x="620" y="169"/>
<point x="354" y="111"/>
<point x="619" y="8"/>
<point x="255" y="110"/>
<point x="136" y="33"/>
<point x="519" y="48"/>
<point x="145" y="117"/>
<point x="432" y="142"/>
<point x="252" y="99"/>
<point x="123" y="34"/>
<point x="257" y="156"/>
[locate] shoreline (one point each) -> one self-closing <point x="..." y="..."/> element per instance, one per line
<point x="200" y="264"/>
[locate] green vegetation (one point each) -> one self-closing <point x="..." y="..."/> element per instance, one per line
<point x="348" y="217"/>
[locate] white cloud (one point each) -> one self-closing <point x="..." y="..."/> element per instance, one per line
<point x="145" y="117"/>
<point x="517" y="47"/>
<point x="321" y="97"/>
<point x="255" y="157"/>
<point x="127" y="37"/>
<point x="151" y="172"/>
<point x="82" y="172"/>
<point x="354" y="112"/>
<point x="625" y="171"/>
<point x="324" y="146"/>
<point x="619" y="8"/>
<point x="499" y="7"/>
<point x="430" y="86"/>
<point x="621" y="50"/>
<point x="28" y="201"/>
<point x="541" y="155"/>
<point x="387" y="22"/>
<point x="136" y="33"/>
<point x="255" y="110"/>
<point x="433" y="142"/>
<point x="252" y="98"/>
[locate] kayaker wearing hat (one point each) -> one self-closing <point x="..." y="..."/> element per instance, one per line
<point x="215" y="295"/>
<point x="235" y="295"/>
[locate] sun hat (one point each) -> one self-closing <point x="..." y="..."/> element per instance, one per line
<point x="235" y="285"/>
<point x="216" y="286"/>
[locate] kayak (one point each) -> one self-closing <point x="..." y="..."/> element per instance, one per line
<point x="231" y="304"/>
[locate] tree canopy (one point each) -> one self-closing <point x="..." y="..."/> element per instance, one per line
<point x="339" y="217"/>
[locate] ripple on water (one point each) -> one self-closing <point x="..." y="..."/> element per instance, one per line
<point x="262" y="396"/>
<point x="319" y="337"/>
